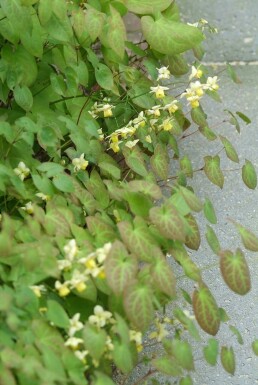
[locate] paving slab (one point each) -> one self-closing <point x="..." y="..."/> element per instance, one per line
<point x="235" y="201"/>
<point x="237" y="23"/>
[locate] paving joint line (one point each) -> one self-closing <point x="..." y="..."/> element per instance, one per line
<point x="233" y="63"/>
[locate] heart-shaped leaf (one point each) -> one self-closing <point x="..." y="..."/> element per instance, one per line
<point x="235" y="271"/>
<point x="206" y="310"/>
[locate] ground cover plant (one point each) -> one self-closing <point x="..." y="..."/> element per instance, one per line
<point x="91" y="221"/>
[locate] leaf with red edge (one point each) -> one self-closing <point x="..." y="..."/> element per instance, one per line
<point x="168" y="221"/>
<point x="213" y="171"/>
<point x="249" y="175"/>
<point x="191" y="199"/>
<point x="249" y="239"/>
<point x="190" y="268"/>
<point x="227" y="357"/>
<point x="206" y="310"/>
<point x="162" y="274"/>
<point x="235" y="271"/>
<point x="193" y="239"/>
<point x="120" y="267"/>
<point x="138" y="305"/>
<point x="160" y="161"/>
<point x="137" y="238"/>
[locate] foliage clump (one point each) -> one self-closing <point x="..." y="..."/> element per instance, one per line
<point x="91" y="221"/>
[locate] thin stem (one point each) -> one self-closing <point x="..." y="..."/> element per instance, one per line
<point x="147" y="375"/>
<point x="186" y="136"/>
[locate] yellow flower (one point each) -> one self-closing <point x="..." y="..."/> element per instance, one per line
<point x="107" y="110"/>
<point x="196" y="73"/>
<point x="22" y="171"/>
<point x="131" y="143"/>
<point x="167" y="125"/>
<point x="75" y="325"/>
<point x="211" y="83"/>
<point x="44" y="197"/>
<point x="74" y="342"/>
<point x="148" y="138"/>
<point x="62" y="288"/>
<point x="114" y="147"/>
<point x="28" y="208"/>
<point x="154" y="111"/>
<point x="38" y="289"/>
<point x="159" y="91"/>
<point x="80" y="287"/>
<point x="171" y="107"/>
<point x="80" y="163"/>
<point x="163" y="73"/>
<point x="100" y="317"/>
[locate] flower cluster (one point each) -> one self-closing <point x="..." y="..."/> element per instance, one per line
<point x="196" y="89"/>
<point x="77" y="270"/>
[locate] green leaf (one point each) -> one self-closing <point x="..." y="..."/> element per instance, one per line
<point x="94" y="21"/>
<point x="56" y="314"/>
<point x="212" y="240"/>
<point x="45" y="10"/>
<point x="186" y="381"/>
<point x="168" y="221"/>
<point x="139" y="203"/>
<point x="233" y="120"/>
<point x="206" y="310"/>
<point x="138" y="305"/>
<point x="137" y="239"/>
<point x="187" y="323"/>
<point x="243" y="117"/>
<point x="209" y="211"/>
<point x="249" y="239"/>
<point x="135" y="160"/>
<point x="227" y="357"/>
<point x="211" y="351"/>
<point x="186" y="166"/>
<point x="63" y="182"/>
<point x="102" y="379"/>
<point x="167" y="365"/>
<point x="120" y="267"/>
<point x="233" y="74"/>
<point x="116" y="32"/>
<point x="223" y="315"/>
<point x="191" y="199"/>
<point x="148" y="188"/>
<point x="162" y="274"/>
<point x="208" y="133"/>
<point x="23" y="97"/>
<point x="235" y="271"/>
<point x="237" y="334"/>
<point x="95" y="340"/>
<point x="101" y="230"/>
<point x="98" y="189"/>
<point x="168" y="37"/>
<point x="213" y="171"/>
<point x="46" y="336"/>
<point x="104" y="76"/>
<point x="146" y="7"/>
<point x="199" y="117"/>
<point x="249" y="175"/>
<point x="177" y="64"/>
<point x="122" y="357"/>
<point x="160" y="161"/>
<point x="190" y="268"/>
<point x="181" y="351"/>
<point x="255" y="347"/>
<point x="50" y="168"/>
<point x="230" y="150"/>
<point x="193" y="239"/>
